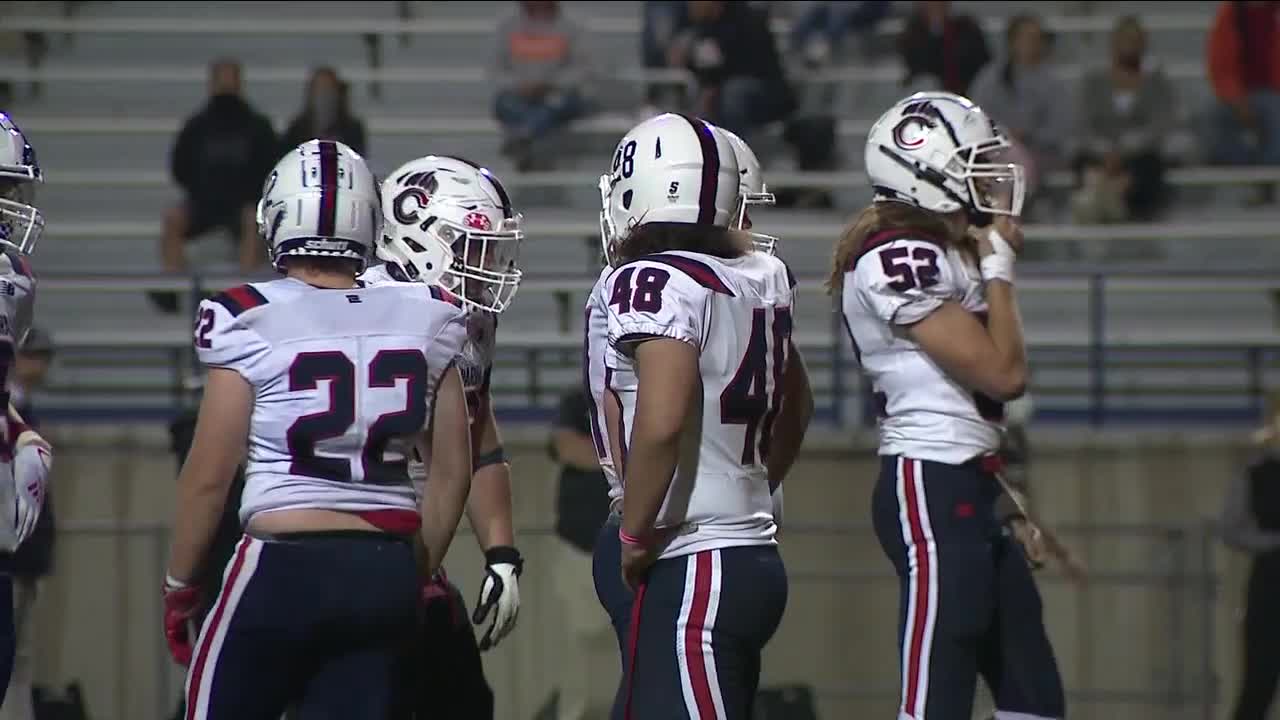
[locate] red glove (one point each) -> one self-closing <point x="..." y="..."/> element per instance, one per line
<point x="438" y="590"/>
<point x="180" y="604"/>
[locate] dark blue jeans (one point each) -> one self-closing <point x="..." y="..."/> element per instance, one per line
<point x="529" y="119"/>
<point x="1225" y="138"/>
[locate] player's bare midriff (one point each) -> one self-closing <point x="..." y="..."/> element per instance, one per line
<point x="276" y="522"/>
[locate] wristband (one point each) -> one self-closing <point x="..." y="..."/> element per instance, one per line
<point x="999" y="264"/>
<point x="173" y="583"/>
<point x="628" y="539"/>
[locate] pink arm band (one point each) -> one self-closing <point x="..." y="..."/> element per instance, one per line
<point x="629" y="539"/>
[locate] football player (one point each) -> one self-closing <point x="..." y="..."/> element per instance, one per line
<point x="603" y="405"/>
<point x="699" y="344"/>
<point x="449" y="223"/>
<point x="25" y="457"/>
<point x="329" y="383"/>
<point x="925" y="279"/>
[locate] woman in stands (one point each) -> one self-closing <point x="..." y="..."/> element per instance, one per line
<point x="925" y="279"/>
<point x="700" y="328"/>
<point x="328" y="382"/>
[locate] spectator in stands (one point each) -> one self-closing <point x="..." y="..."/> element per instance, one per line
<point x="941" y="50"/>
<point x="730" y="49"/>
<point x="541" y="72"/>
<point x="326" y="114"/>
<point x="33" y="560"/>
<point x="1021" y="93"/>
<point x="1243" y="126"/>
<point x="220" y="160"/>
<point x="664" y="21"/>
<point x="587" y="660"/>
<point x="1126" y="111"/>
<point x="1251" y="523"/>
<point x="820" y="28"/>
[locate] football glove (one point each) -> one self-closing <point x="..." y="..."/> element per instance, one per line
<point x="437" y="589"/>
<point x="180" y="605"/>
<point x="499" y="594"/>
<point x="32" y="460"/>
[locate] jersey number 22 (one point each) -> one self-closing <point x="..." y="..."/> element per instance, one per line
<point x="386" y="368"/>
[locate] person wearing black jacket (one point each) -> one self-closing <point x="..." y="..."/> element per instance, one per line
<point x="326" y="115"/>
<point x="729" y="48"/>
<point x="220" y="160"/>
<point x="940" y="49"/>
<point x="1251" y="524"/>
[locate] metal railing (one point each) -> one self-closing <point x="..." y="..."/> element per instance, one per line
<point x="1095" y="351"/>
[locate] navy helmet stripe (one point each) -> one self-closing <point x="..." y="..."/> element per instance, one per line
<point x="328" y="189"/>
<point x="507" y="211"/>
<point x="710" y="170"/>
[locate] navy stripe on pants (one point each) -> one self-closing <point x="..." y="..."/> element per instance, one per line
<point x="969" y="605"/>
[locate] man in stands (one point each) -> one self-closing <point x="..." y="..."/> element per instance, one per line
<point x="220" y="159"/>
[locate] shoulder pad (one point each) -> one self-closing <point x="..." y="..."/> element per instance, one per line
<point x="697" y="270"/>
<point x="237" y="300"/>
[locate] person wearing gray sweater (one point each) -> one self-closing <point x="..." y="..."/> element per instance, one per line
<point x="541" y="70"/>
<point x="1125" y="112"/>
<point x="1025" y="97"/>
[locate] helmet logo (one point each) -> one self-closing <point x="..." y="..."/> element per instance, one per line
<point x="404" y="214"/>
<point x="918" y="118"/>
<point x="911" y="132"/>
<point x="478" y="221"/>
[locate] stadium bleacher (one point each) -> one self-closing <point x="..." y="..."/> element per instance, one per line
<point x="120" y="77"/>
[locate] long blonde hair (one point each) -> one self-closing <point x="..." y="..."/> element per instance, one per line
<point x="887" y="215"/>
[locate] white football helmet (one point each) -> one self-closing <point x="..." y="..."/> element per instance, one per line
<point x="320" y="201"/>
<point x="448" y="221"/>
<point x="753" y="190"/>
<point x="939" y="151"/>
<point x="669" y="168"/>
<point x="21" y="223"/>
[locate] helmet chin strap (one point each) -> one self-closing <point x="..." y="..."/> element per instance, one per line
<point x="938" y="180"/>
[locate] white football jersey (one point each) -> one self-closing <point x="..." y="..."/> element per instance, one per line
<point x="342" y="379"/>
<point x="737" y="313"/>
<point x="599" y="378"/>
<point x="897" y="280"/>
<point x="17" y="299"/>
<point x="475" y="363"/>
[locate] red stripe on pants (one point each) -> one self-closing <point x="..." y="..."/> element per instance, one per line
<point x="918" y="622"/>
<point x="695" y="656"/>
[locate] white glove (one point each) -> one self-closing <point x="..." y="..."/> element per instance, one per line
<point x="499" y="594"/>
<point x="999" y="264"/>
<point x="32" y="460"/>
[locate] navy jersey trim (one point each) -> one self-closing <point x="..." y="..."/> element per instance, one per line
<point x="443" y="295"/>
<point x="884" y="237"/>
<point x="696" y="269"/>
<point x="238" y="300"/>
